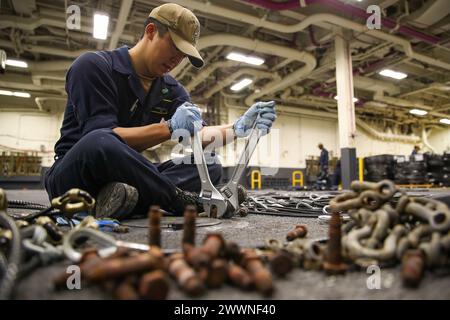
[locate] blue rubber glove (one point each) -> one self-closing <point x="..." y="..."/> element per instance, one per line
<point x="267" y="115"/>
<point x="184" y="118"/>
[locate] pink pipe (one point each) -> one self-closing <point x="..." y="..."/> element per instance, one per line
<point x="347" y="8"/>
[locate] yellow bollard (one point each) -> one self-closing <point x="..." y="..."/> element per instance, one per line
<point x="361" y="169"/>
<point x="256" y="178"/>
<point x="297" y="177"/>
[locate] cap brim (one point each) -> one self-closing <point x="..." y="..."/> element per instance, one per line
<point x="188" y="49"/>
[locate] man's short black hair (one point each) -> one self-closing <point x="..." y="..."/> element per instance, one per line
<point x="161" y="28"/>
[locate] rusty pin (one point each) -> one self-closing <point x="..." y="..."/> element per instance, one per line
<point x="260" y="275"/>
<point x="299" y="231"/>
<point x="118" y="267"/>
<point x="413" y="266"/>
<point x="154" y="228"/>
<point x="214" y="245"/>
<point x="125" y="290"/>
<point x="185" y="276"/>
<point x="216" y="274"/>
<point x="239" y="277"/>
<point x="154" y="285"/>
<point x="189" y="225"/>
<point x="233" y="251"/>
<point x="281" y="263"/>
<point x="333" y="264"/>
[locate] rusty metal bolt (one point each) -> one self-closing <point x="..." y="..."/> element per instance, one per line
<point x="125" y="290"/>
<point x="233" y="251"/>
<point x="333" y="264"/>
<point x="214" y="245"/>
<point x="217" y="273"/>
<point x="413" y="267"/>
<point x="154" y="285"/>
<point x="118" y="267"/>
<point x="239" y="277"/>
<point x="154" y="228"/>
<point x="242" y="212"/>
<point x="261" y="277"/>
<point x="299" y="231"/>
<point x="281" y="263"/>
<point x="185" y="276"/>
<point x="190" y="215"/>
<point x="196" y="257"/>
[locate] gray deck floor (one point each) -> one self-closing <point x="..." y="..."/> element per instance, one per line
<point x="249" y="231"/>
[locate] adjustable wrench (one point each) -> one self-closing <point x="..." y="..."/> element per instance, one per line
<point x="220" y="203"/>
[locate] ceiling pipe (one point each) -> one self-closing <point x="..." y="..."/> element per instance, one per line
<point x="41" y="100"/>
<point x="45" y="50"/>
<point x="245" y="71"/>
<point x="348" y="9"/>
<point x="125" y="9"/>
<point x="30" y="24"/>
<point x="386" y="136"/>
<point x="430" y="13"/>
<point x="315" y="19"/>
<point x="425" y="141"/>
<point x="206" y="72"/>
<point x="267" y="48"/>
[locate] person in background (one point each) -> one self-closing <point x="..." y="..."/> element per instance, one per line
<point x="415" y="150"/>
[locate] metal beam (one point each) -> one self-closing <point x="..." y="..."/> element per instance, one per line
<point x="121" y="22"/>
<point x="346" y="107"/>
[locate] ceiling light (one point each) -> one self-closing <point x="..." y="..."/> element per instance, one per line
<point x="6" y="93"/>
<point x="354" y="99"/>
<point x="22" y="94"/>
<point x="246" y="59"/>
<point x="101" y="22"/>
<point x="445" y="121"/>
<point x="16" y="63"/>
<point x="418" y="112"/>
<point x="393" y="74"/>
<point x="15" y="94"/>
<point x="241" y="84"/>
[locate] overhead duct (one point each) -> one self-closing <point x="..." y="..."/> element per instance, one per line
<point x="24" y="7"/>
<point x="205" y="72"/>
<point x="425" y="141"/>
<point x="225" y="82"/>
<point x="430" y="13"/>
<point x="315" y="19"/>
<point x="370" y="84"/>
<point x="386" y="136"/>
<point x="263" y="47"/>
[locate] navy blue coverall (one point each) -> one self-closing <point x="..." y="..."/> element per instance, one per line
<point x="105" y="92"/>
<point x="323" y="163"/>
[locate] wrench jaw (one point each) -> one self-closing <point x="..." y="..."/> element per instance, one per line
<point x="213" y="202"/>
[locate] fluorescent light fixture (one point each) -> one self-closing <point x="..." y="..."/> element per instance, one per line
<point x="445" y="121"/>
<point x="418" y="112"/>
<point x="6" y="93"/>
<point x="15" y="94"/>
<point x="354" y="99"/>
<point x="189" y="150"/>
<point x="241" y="84"/>
<point x="393" y="74"/>
<point x="101" y="22"/>
<point x="22" y="94"/>
<point x="16" y="63"/>
<point x="244" y="58"/>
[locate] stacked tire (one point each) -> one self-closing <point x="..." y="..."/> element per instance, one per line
<point x="401" y="169"/>
<point x="435" y="173"/>
<point x="416" y="170"/>
<point x="446" y="169"/>
<point x="379" y="167"/>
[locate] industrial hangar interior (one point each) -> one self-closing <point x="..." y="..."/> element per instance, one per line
<point x="325" y="130"/>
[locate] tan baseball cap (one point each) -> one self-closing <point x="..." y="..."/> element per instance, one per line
<point x="184" y="29"/>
